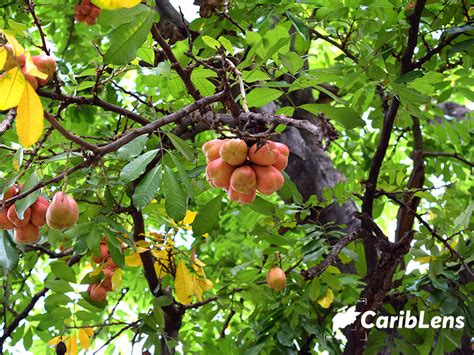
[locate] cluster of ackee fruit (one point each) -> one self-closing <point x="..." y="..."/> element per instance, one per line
<point x="87" y="12"/>
<point x="43" y="63"/>
<point x="241" y="171"/>
<point x="98" y="291"/>
<point x="60" y="214"/>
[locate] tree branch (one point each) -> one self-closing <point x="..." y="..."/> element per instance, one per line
<point x="449" y="155"/>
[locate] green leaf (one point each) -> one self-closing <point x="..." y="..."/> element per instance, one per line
<point x="59" y="286"/>
<point x="207" y="218"/>
<point x="147" y="188"/>
<point x="133" y="148"/>
<point x="175" y="198"/>
<point x="344" y="115"/>
<point x="136" y="167"/>
<point x="18" y="159"/>
<point x="129" y="37"/>
<point x="22" y="204"/>
<point x="181" y="146"/>
<point x="314" y="289"/>
<point x="8" y="253"/>
<point x="188" y="187"/>
<point x="211" y="42"/>
<point x="62" y="271"/>
<point x="291" y="61"/>
<point x="119" y="17"/>
<point x="115" y="250"/>
<point x="227" y="45"/>
<point x="300" y="26"/>
<point x="262" y="206"/>
<point x="261" y="96"/>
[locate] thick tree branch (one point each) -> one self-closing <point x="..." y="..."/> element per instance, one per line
<point x="389" y="118"/>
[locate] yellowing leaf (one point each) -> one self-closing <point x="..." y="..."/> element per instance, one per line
<point x="183" y="284"/>
<point x="115" y="4"/>
<point x="3" y="57"/>
<point x="326" y="300"/>
<point x="12" y="86"/>
<point x="55" y="341"/>
<point x="159" y="270"/>
<point x="189" y="217"/>
<point x="29" y="117"/>
<point x="117" y="279"/>
<point x="89" y="331"/>
<point x="205" y="284"/>
<point x="133" y="260"/>
<point x="84" y="338"/>
<point x="425" y="259"/>
<point x="31" y="69"/>
<point x="197" y="288"/>
<point x="71" y="345"/>
<point x="17" y="47"/>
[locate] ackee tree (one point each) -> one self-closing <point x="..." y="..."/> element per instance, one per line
<point x="253" y="177"/>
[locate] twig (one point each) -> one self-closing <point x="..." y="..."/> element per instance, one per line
<point x="317" y="270"/>
<point x="7" y="122"/>
<point x="449" y="155"/>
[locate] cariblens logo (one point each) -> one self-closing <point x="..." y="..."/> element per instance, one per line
<point x="408" y="321"/>
<point x="404" y="319"/>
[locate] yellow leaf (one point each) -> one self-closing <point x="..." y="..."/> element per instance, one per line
<point x="205" y="284"/>
<point x="89" y="331"/>
<point x="425" y="259"/>
<point x="326" y="300"/>
<point x="197" y="288"/>
<point x="115" y="4"/>
<point x="31" y="69"/>
<point x="133" y="260"/>
<point x="12" y="86"/>
<point x="117" y="279"/>
<point x="17" y="48"/>
<point x="3" y="57"/>
<point x="29" y="117"/>
<point x="84" y="339"/>
<point x="183" y="284"/>
<point x="71" y="345"/>
<point x="189" y="218"/>
<point x="55" y="341"/>
<point x="159" y="270"/>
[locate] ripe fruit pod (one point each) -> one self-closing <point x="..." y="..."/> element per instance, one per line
<point x="45" y="64"/>
<point x="282" y="161"/>
<point x="241" y="198"/>
<point x="276" y="279"/>
<point x="4" y="221"/>
<point x="38" y="211"/>
<point x="97" y="293"/>
<point x="13" y="216"/>
<point x="104" y="253"/>
<point x="243" y="180"/>
<point x="218" y="173"/>
<point x="10" y="192"/>
<point x="269" y="179"/>
<point x="107" y="282"/>
<point x="265" y="155"/>
<point x="27" y="234"/>
<point x="211" y="149"/>
<point x="234" y="152"/>
<point x="63" y="212"/>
